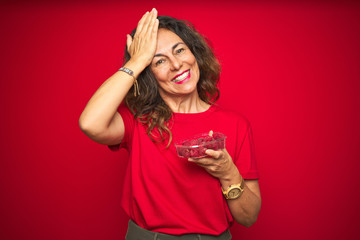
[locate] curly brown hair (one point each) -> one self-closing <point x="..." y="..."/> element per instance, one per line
<point x="148" y="107"/>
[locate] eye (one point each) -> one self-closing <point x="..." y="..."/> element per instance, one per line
<point x="180" y="50"/>
<point x="159" y="62"/>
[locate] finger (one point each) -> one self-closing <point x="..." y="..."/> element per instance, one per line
<point x="152" y="22"/>
<point x="214" y="154"/>
<point x="148" y="22"/>
<point x="145" y="23"/>
<point x="203" y="162"/>
<point x="156" y="27"/>
<point x="211" y="133"/>
<point x="128" y="42"/>
<point x="141" y="23"/>
<point x="154" y="30"/>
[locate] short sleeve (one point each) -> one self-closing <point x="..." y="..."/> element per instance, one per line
<point x="129" y="123"/>
<point x="245" y="157"/>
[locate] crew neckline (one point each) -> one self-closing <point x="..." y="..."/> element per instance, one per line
<point x="192" y="116"/>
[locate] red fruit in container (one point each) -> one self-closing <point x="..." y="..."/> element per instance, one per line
<point x="194" y="142"/>
<point x="220" y="144"/>
<point x="208" y="138"/>
<point x="185" y="152"/>
<point x="194" y="153"/>
<point x="201" y="140"/>
<point x="196" y="146"/>
<point x="202" y="151"/>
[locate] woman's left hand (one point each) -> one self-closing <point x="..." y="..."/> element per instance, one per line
<point x="219" y="164"/>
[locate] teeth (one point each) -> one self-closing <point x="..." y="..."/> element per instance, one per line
<point x="182" y="76"/>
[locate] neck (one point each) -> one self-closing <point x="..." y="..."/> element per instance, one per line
<point x="185" y="104"/>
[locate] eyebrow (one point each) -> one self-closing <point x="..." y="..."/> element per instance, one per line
<point x="173" y="47"/>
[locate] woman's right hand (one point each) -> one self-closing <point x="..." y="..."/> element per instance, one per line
<point x="143" y="46"/>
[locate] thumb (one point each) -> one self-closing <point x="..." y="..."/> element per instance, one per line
<point x="211" y="133"/>
<point x="128" y="42"/>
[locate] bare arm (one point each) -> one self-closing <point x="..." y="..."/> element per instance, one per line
<point x="100" y="120"/>
<point x="244" y="209"/>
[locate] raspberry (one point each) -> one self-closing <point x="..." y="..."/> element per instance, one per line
<point x="220" y="144"/>
<point x="210" y="145"/>
<point x="201" y="140"/>
<point x="184" y="152"/>
<point x="208" y="139"/>
<point x="217" y="136"/>
<point x="187" y="153"/>
<point x="202" y="151"/>
<point x="194" y="153"/>
<point x="194" y="142"/>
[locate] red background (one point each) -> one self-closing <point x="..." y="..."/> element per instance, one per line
<point x="291" y="68"/>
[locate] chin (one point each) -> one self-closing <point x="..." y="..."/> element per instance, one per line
<point x="188" y="92"/>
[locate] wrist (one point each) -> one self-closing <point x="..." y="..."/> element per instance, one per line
<point x="136" y="66"/>
<point x="137" y="63"/>
<point x="232" y="177"/>
<point x="234" y="191"/>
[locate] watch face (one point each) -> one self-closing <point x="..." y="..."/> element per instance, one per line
<point x="234" y="193"/>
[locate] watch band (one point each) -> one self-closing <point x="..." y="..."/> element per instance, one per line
<point x="239" y="188"/>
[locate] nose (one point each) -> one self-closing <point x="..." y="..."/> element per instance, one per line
<point x="175" y="63"/>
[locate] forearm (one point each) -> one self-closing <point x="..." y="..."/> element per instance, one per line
<point x="102" y="106"/>
<point x="244" y="209"/>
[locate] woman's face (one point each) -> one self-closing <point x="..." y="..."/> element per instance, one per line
<point x="174" y="66"/>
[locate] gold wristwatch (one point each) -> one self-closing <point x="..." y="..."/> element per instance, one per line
<point x="234" y="191"/>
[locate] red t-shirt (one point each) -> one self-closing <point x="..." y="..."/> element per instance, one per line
<point x="166" y="193"/>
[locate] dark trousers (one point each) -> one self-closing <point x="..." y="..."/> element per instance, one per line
<point x="135" y="232"/>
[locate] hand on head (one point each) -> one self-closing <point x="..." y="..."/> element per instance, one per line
<point x="143" y="46"/>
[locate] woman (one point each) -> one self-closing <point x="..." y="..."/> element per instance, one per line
<point x="169" y="83"/>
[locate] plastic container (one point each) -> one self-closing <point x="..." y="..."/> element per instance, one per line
<point x="196" y="146"/>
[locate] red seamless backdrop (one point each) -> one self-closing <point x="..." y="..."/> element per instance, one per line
<point x="291" y="67"/>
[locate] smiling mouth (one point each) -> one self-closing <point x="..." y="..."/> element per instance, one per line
<point x="182" y="77"/>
